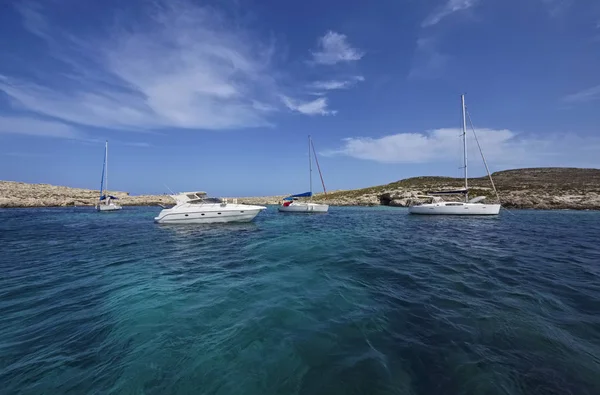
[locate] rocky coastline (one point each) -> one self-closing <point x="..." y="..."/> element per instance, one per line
<point x="537" y="188"/>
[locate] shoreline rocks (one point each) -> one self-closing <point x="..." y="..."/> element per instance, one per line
<point x="536" y="188"/>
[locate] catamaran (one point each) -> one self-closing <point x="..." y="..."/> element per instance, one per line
<point x="291" y="204"/>
<point x="106" y="203"/>
<point x="469" y="207"/>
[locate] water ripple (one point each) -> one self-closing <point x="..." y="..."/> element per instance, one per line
<point x="359" y="301"/>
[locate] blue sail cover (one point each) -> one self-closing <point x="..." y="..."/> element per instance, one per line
<point x="103" y="197"/>
<point x="305" y="194"/>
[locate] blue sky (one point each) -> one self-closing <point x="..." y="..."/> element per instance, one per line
<point x="221" y="95"/>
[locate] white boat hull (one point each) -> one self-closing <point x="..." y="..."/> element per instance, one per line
<point x="208" y="214"/>
<point x="103" y="208"/>
<point x="304" y="208"/>
<point x="453" y="208"/>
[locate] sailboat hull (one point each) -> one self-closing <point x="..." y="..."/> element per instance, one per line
<point x="106" y="208"/>
<point x="304" y="208"/>
<point x="453" y="208"/>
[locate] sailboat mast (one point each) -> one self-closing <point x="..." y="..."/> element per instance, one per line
<point x="106" y="171"/>
<point x="310" y="167"/>
<point x="464" y="116"/>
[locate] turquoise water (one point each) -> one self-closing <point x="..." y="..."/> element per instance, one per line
<point x="357" y="301"/>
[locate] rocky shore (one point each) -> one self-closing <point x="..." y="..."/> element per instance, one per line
<point x="537" y="188"/>
<point x="20" y="194"/>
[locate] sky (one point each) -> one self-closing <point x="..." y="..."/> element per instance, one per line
<point x="221" y="95"/>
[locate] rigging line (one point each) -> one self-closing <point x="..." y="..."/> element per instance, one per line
<point x="318" y="167"/>
<point x="170" y="190"/>
<point x="102" y="180"/>
<point x="483" y="157"/>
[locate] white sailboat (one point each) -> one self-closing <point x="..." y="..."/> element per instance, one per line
<point x="106" y="203"/>
<point x="291" y="204"/>
<point x="469" y="207"/>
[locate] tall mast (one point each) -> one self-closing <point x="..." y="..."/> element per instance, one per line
<point x="310" y="166"/>
<point x="464" y="116"/>
<point x="106" y="164"/>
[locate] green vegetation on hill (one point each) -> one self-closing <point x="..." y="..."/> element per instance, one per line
<point x="532" y="179"/>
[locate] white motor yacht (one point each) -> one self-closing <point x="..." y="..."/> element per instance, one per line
<point x="469" y="207"/>
<point x="197" y="208"/>
<point x="291" y="204"/>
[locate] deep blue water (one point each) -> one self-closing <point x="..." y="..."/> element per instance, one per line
<point x="357" y="301"/>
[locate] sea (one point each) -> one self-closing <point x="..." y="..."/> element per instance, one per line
<point x="357" y="301"/>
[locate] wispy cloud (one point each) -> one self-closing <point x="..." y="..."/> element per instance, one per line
<point x="428" y="61"/>
<point x="334" y="48"/>
<point x="315" y="107"/>
<point x="181" y="66"/>
<point x="449" y="8"/>
<point x="38" y="127"/>
<point x="502" y="147"/>
<point x="336" y="84"/>
<point x="584" y="96"/>
<point x="556" y="8"/>
<point x="24" y="154"/>
<point x="28" y="126"/>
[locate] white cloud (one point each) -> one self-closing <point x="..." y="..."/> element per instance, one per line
<point x="37" y="127"/>
<point x="183" y="66"/>
<point x="334" y="48"/>
<point x="583" y="96"/>
<point x="428" y="61"/>
<point x="502" y="148"/>
<point x="336" y="84"/>
<point x="447" y="9"/>
<point x="314" y="107"/>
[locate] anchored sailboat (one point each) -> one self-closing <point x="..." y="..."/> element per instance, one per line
<point x="291" y="204"/>
<point x="106" y="203"/>
<point x="469" y="207"/>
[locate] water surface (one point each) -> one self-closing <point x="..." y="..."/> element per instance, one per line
<point x="357" y="301"/>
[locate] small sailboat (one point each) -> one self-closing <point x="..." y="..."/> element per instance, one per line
<point x="106" y="203"/>
<point x="292" y="204"/>
<point x="469" y="207"/>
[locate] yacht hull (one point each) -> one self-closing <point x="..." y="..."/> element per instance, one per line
<point x="107" y="208"/>
<point x="199" y="216"/>
<point x="447" y="208"/>
<point x="304" y="208"/>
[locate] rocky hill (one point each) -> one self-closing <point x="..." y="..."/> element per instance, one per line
<point x="541" y="188"/>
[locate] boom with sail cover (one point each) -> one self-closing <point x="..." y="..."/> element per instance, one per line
<point x="299" y="195"/>
<point x="456" y="192"/>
